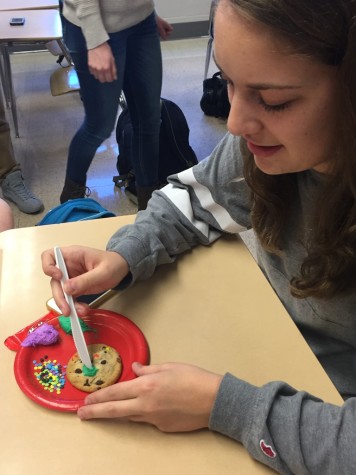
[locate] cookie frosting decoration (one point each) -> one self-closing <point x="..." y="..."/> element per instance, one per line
<point x="45" y="334"/>
<point x="89" y="371"/>
<point x="66" y="325"/>
<point x="107" y="366"/>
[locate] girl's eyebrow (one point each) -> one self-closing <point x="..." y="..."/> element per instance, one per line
<point x="261" y="86"/>
<point x="265" y="86"/>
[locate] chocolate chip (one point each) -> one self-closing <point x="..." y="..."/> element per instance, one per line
<point x="78" y="371"/>
<point x="87" y="383"/>
<point x="99" y="382"/>
<point x="103" y="361"/>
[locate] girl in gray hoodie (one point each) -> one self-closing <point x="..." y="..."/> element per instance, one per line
<point x="287" y="169"/>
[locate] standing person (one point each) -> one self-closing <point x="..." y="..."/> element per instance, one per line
<point x="11" y="180"/>
<point x="287" y="168"/>
<point x="115" y="47"/>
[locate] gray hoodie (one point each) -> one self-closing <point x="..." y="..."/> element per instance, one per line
<point x="291" y="431"/>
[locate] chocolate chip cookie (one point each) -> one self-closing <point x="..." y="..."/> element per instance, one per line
<point x="107" y="367"/>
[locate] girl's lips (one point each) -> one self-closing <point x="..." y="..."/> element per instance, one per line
<point x="263" y="151"/>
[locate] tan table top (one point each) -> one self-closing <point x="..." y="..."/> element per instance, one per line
<point x="39" y="25"/>
<point x="27" y="4"/>
<point x="212" y="308"/>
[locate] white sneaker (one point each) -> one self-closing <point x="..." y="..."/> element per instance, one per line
<point x="14" y="189"/>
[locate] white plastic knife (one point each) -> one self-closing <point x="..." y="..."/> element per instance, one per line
<point x="77" y="332"/>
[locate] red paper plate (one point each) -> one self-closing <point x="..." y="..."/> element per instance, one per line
<point x="110" y="328"/>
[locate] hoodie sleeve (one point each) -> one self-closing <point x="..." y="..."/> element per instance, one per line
<point x="290" y="431"/>
<point x="196" y="207"/>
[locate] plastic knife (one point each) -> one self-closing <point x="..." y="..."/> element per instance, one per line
<point x="77" y="332"/>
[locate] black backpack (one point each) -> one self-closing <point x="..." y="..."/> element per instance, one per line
<point x="175" y="153"/>
<point x="215" y="101"/>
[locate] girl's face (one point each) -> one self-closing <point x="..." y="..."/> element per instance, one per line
<point x="283" y="104"/>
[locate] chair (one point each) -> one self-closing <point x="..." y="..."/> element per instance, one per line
<point x="64" y="79"/>
<point x="211" y="38"/>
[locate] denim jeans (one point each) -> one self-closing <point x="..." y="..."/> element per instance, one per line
<point x="137" y="54"/>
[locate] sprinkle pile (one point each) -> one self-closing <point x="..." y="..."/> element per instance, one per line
<point x="49" y="374"/>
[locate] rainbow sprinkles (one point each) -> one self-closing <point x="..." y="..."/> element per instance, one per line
<point x="50" y="374"/>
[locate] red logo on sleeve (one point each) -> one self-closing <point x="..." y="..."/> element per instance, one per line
<point x="267" y="449"/>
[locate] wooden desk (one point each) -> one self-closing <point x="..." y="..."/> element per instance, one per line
<point x="27" y="4"/>
<point x="40" y="25"/>
<point x="212" y="308"/>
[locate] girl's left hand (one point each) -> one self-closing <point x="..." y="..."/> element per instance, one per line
<point x="173" y="397"/>
<point x="101" y="63"/>
<point x="164" y="28"/>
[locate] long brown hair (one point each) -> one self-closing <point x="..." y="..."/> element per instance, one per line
<point x="326" y="31"/>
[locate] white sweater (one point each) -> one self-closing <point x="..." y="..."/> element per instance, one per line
<point x="97" y="18"/>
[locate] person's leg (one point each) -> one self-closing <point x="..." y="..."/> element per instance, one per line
<point x="7" y="157"/>
<point x="11" y="179"/>
<point x="100" y="102"/>
<point x="6" y="216"/>
<point x="142" y="88"/>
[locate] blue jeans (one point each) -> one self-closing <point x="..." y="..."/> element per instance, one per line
<point x="137" y="54"/>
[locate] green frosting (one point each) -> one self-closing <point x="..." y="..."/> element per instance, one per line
<point x="89" y="371"/>
<point x="66" y="325"/>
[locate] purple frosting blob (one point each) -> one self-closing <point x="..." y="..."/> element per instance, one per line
<point x="44" y="335"/>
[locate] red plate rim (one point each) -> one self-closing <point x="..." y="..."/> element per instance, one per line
<point x="109" y="327"/>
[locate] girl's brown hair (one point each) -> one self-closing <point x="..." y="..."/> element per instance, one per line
<point x="324" y="30"/>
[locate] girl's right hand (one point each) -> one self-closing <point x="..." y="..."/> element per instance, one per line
<point x="90" y="271"/>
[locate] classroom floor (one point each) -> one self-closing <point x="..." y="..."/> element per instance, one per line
<point x="47" y="124"/>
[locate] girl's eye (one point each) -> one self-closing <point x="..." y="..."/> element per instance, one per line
<point x="274" y="107"/>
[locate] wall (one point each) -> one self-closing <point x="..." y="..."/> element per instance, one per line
<point x="183" y="11"/>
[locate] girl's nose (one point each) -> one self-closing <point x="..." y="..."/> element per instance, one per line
<point x="242" y="119"/>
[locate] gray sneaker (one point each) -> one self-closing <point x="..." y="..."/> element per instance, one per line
<point x="14" y="189"/>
